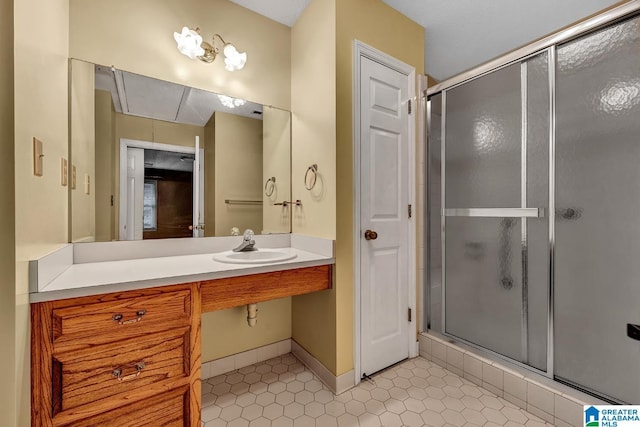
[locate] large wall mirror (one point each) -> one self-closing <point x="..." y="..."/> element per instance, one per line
<point x="152" y="159"/>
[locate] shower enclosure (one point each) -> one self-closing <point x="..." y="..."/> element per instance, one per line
<point x="533" y="213"/>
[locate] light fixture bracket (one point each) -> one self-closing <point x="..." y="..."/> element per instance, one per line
<point x="210" y="49"/>
<point x="210" y="53"/>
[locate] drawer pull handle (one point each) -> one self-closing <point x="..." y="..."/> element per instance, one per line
<point x="118" y="317"/>
<point x="117" y="373"/>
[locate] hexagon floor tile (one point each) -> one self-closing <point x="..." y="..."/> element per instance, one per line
<point x="414" y="393"/>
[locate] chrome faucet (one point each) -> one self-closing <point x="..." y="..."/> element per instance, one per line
<point x="248" y="244"/>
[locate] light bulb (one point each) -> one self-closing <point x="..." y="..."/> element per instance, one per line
<point x="189" y="43"/>
<point x="234" y="60"/>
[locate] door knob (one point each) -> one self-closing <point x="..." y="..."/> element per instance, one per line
<point x="370" y="235"/>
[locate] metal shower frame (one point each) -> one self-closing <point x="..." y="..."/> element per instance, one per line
<point x="546" y="44"/>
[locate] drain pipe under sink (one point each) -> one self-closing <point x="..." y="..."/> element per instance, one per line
<point x="252" y="314"/>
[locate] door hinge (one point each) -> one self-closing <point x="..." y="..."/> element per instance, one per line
<point x="409" y="210"/>
<point x="112" y="200"/>
<point x="409" y="314"/>
<point x="409" y="106"/>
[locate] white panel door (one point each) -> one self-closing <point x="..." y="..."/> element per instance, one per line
<point x="133" y="198"/>
<point x="384" y="202"/>
<point x="198" y="191"/>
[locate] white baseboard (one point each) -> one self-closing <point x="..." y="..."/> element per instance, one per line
<point x="227" y="364"/>
<point x="337" y="384"/>
<point x="240" y="360"/>
<point x="345" y="382"/>
<point x="414" y="351"/>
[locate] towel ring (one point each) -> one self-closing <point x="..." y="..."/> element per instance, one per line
<point x="269" y="189"/>
<point x="312" y="171"/>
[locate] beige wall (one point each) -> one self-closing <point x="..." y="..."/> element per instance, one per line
<point x="82" y="135"/>
<point x="238" y="172"/>
<point x="105" y="135"/>
<point x="143" y="129"/>
<point x="323" y="322"/>
<point x="313" y="103"/>
<point x="7" y="219"/>
<point x="41" y="109"/>
<point x="276" y="162"/>
<point x="226" y="332"/>
<point x="137" y="36"/>
<point x="313" y="106"/>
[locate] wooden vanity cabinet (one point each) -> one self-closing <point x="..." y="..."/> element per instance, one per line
<point x="133" y="358"/>
<point x="118" y="359"/>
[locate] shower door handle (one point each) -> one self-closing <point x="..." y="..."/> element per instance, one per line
<point x="495" y="212"/>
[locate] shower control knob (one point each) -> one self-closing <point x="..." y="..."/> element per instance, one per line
<point x="370" y="235"/>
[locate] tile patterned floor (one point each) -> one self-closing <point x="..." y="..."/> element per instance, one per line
<point x="283" y="392"/>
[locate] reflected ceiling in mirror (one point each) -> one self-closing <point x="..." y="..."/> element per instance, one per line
<point x="143" y="96"/>
<point x="137" y="143"/>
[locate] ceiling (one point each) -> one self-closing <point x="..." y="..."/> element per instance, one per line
<point x="460" y="34"/>
<point x="285" y="12"/>
<point x="167" y="160"/>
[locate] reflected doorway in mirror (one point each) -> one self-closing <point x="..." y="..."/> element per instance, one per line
<point x="160" y="191"/>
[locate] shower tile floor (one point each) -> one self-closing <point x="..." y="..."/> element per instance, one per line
<point x="283" y="392"/>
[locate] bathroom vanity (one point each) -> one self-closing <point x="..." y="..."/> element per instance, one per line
<point x="131" y="355"/>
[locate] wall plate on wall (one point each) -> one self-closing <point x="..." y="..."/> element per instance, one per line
<point x="37" y="157"/>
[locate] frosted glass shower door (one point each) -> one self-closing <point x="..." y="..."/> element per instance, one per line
<point x="597" y="268"/>
<point x="495" y="135"/>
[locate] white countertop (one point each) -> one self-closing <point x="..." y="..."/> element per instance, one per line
<point x="92" y="278"/>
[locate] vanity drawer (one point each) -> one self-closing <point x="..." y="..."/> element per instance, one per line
<point x="121" y="370"/>
<point x="99" y="322"/>
<point x="167" y="410"/>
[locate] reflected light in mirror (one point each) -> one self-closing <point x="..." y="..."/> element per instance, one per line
<point x="230" y="102"/>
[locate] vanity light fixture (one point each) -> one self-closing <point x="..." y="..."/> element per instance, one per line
<point x="191" y="44"/>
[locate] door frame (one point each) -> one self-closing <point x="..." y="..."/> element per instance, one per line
<point x="122" y="173"/>
<point x="361" y="50"/>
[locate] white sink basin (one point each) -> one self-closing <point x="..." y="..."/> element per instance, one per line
<point x="260" y="256"/>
